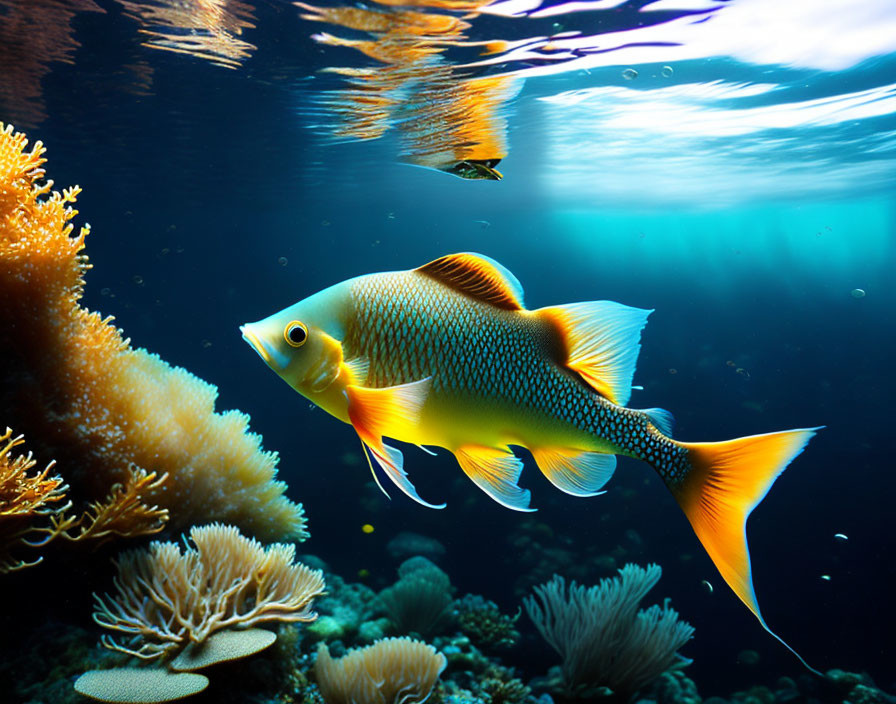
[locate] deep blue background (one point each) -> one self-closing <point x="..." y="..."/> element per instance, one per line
<point x="196" y="190"/>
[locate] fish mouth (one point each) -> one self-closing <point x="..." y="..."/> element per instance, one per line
<point x="270" y="356"/>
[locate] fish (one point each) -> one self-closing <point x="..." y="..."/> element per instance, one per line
<point x="447" y="355"/>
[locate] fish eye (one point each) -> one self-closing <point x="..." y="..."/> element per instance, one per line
<point x="295" y="334"/>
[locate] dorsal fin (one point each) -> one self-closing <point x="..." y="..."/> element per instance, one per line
<point x="477" y="276"/>
<point x="602" y="341"/>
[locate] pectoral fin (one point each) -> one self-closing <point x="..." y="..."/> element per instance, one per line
<point x="496" y="472"/>
<point x="576" y="473"/>
<point x="392" y="410"/>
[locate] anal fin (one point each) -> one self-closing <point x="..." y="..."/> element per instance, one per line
<point x="496" y="472"/>
<point x="575" y="472"/>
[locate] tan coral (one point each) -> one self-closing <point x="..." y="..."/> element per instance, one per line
<point x="167" y="599"/>
<point x="391" y="671"/>
<point x="102" y="408"/>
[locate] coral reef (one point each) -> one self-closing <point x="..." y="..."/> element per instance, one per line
<point x="391" y="671"/>
<point x="420" y="601"/>
<point x="348" y="612"/>
<point x="604" y="640"/>
<point x="31" y="515"/>
<point x="167" y="599"/>
<point x="485" y="625"/>
<point x="104" y="410"/>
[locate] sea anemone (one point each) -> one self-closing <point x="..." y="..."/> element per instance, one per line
<point x="604" y="639"/>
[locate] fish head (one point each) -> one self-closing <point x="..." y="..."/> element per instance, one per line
<point x="302" y="343"/>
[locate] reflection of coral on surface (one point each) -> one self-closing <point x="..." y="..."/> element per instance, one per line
<point x="30" y="517"/>
<point x="167" y="599"/>
<point x="34" y="35"/>
<point x="603" y="638"/>
<point x="391" y="671"/>
<point x="101" y="408"/>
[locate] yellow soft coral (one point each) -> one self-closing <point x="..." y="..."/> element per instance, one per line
<point x="100" y="407"/>
<point x="24" y="498"/>
<point x="32" y="512"/>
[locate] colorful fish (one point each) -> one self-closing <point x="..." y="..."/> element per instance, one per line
<point x="447" y="355"/>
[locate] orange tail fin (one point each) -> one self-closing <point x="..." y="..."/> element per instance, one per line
<point x="727" y="480"/>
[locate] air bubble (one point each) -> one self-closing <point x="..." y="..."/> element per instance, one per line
<point x="629" y="74"/>
<point x="666" y="71"/>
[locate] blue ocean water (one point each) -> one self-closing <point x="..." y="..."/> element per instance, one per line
<point x="730" y="165"/>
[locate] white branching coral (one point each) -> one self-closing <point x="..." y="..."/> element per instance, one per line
<point x="167" y="599"/>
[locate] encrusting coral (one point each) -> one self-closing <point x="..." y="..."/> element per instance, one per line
<point x="107" y="412"/>
<point x="167" y="599"/>
<point x="391" y="671"/>
<point x="32" y="513"/>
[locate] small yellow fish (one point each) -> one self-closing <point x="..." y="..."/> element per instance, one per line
<point x="447" y="355"/>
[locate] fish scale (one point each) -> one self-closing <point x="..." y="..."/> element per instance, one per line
<point x="411" y="327"/>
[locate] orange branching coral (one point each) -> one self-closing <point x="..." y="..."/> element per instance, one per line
<point x="23" y="498"/>
<point x="122" y="513"/>
<point x="109" y="413"/>
<point x="32" y="513"/>
<point x="168" y="599"/>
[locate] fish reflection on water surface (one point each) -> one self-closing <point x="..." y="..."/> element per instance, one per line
<point x="446" y="355"/>
<point x="445" y="119"/>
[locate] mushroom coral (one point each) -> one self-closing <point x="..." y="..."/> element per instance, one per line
<point x="103" y="409"/>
